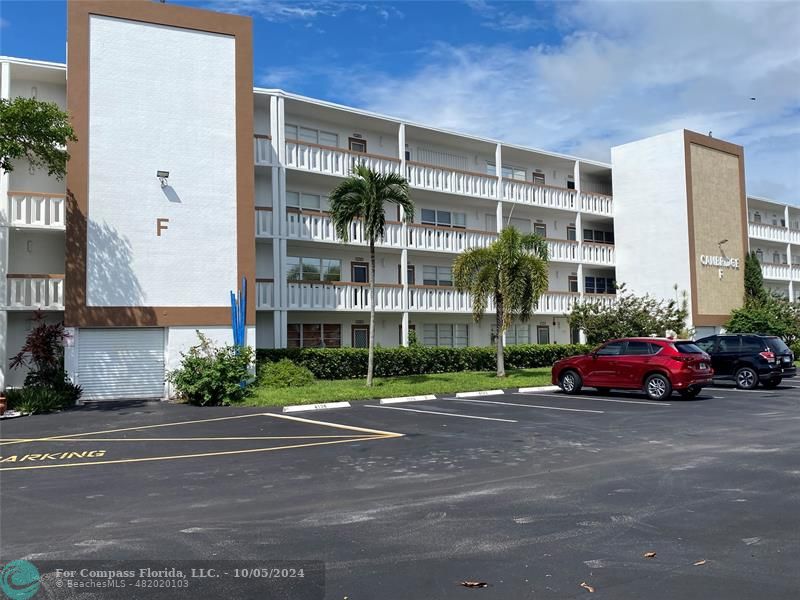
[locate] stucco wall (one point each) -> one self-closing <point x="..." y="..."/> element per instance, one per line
<point x="717" y="211"/>
<point x="650" y="215"/>
<point x="161" y="98"/>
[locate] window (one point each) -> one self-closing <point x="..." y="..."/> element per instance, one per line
<point x="538" y="178"/>
<point x="572" y="233"/>
<point x="588" y="235"/>
<point x="760" y="255"/>
<point x="507" y="171"/>
<point x="776" y="257"/>
<point x="314" y="335"/>
<point x="313" y="269"/>
<point x="728" y="343"/>
<point x="641" y="348"/>
<point x="313" y="136"/>
<point x="515" y="334"/>
<point x="574" y="335"/>
<point x="443" y="218"/>
<point x="540" y="229"/>
<point x="411" y="328"/>
<point x="756" y="217"/>
<point x="357" y="144"/>
<point x="688" y="348"/>
<point x="572" y="283"/>
<point x="434" y="275"/>
<point x="610" y="349"/>
<point x="588" y="285"/>
<point x="452" y="335"/>
<point x="570" y="183"/>
<point x="600" y="285"/>
<point x="611" y="286"/>
<point x="542" y="334"/>
<point x="706" y="344"/>
<point x="304" y="201"/>
<point x="751" y="343"/>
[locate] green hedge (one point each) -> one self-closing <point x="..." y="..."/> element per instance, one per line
<point x="349" y="363"/>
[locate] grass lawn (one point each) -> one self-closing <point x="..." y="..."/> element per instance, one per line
<point x="387" y="387"/>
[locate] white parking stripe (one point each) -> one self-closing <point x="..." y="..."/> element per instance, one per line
<point x="531" y="406"/>
<point x="646" y="403"/>
<point x="444" y="414"/>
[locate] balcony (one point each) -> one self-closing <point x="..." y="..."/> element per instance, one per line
<point x="262" y="150"/>
<point x="265" y="294"/>
<point x="264" y="222"/>
<point x="27" y="292"/>
<point x="778" y="271"/>
<point x="562" y="250"/>
<point x="334" y="161"/>
<point x="598" y="254"/>
<point x="318" y="227"/>
<point x="32" y="209"/>
<point x="599" y="204"/>
<point x="452" y="181"/>
<point x="526" y="192"/>
<point x="348" y="296"/>
<point x="447" y="239"/>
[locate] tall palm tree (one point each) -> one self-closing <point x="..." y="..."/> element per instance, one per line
<point x="361" y="197"/>
<point x="512" y="271"/>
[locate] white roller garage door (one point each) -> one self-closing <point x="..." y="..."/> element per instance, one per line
<point x="116" y="364"/>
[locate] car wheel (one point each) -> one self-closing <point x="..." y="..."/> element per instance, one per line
<point x="603" y="391"/>
<point x="690" y="393"/>
<point x="570" y="382"/>
<point x="746" y="378"/>
<point x="657" y="387"/>
<point x="772" y="383"/>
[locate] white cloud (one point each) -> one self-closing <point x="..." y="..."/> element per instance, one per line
<point x="498" y="17"/>
<point x="621" y="72"/>
<point x="295" y="10"/>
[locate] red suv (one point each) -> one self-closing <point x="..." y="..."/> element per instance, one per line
<point x="655" y="365"/>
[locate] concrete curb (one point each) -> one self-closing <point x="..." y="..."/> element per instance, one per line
<point x="423" y="398"/>
<point x="321" y="406"/>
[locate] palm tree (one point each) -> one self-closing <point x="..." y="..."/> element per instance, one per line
<point x="361" y="197"/>
<point x="512" y="271"/>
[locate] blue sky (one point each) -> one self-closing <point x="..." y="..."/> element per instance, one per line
<point x="575" y="77"/>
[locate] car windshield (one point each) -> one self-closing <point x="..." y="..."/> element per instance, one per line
<point x="688" y="348"/>
<point x="777" y="345"/>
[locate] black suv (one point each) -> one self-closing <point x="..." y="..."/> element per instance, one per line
<point x="748" y="359"/>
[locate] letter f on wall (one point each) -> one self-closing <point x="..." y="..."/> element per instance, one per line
<point x="161" y="225"/>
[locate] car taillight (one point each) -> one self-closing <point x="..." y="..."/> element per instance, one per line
<point x="770" y="356"/>
<point x="683" y="359"/>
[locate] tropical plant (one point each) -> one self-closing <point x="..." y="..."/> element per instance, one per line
<point x="511" y="271"/>
<point x="42" y="352"/>
<point x="770" y="315"/>
<point x="35" y="131"/>
<point x="212" y="375"/>
<point x="361" y="197"/>
<point x="629" y="316"/>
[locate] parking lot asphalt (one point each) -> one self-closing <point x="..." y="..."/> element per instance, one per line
<point x="533" y="494"/>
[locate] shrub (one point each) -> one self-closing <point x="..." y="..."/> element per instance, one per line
<point x="40" y="399"/>
<point x="284" y="373"/>
<point x="211" y="375"/>
<point x="349" y="363"/>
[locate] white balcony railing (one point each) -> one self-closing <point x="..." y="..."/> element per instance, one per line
<point x="776" y="271"/>
<point x="264" y="222"/>
<point x="342" y="296"/>
<point x="346" y="296"/>
<point x="32" y="209"/>
<point x="598" y="254"/>
<point x="596" y="203"/>
<point x="453" y="181"/>
<point x="318" y="227"/>
<point x="447" y="239"/>
<point x="334" y="161"/>
<point x="526" y="192"/>
<point x="764" y="231"/>
<point x="262" y="150"/>
<point x="562" y="250"/>
<point x="45" y="292"/>
<point x="265" y="294"/>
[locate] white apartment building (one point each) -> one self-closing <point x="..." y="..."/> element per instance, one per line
<point x="134" y="263"/>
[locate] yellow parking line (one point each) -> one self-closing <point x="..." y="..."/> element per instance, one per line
<point x="336" y="425"/>
<point x="199" y="455"/>
<point x="72" y="435"/>
<point x="192" y="439"/>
